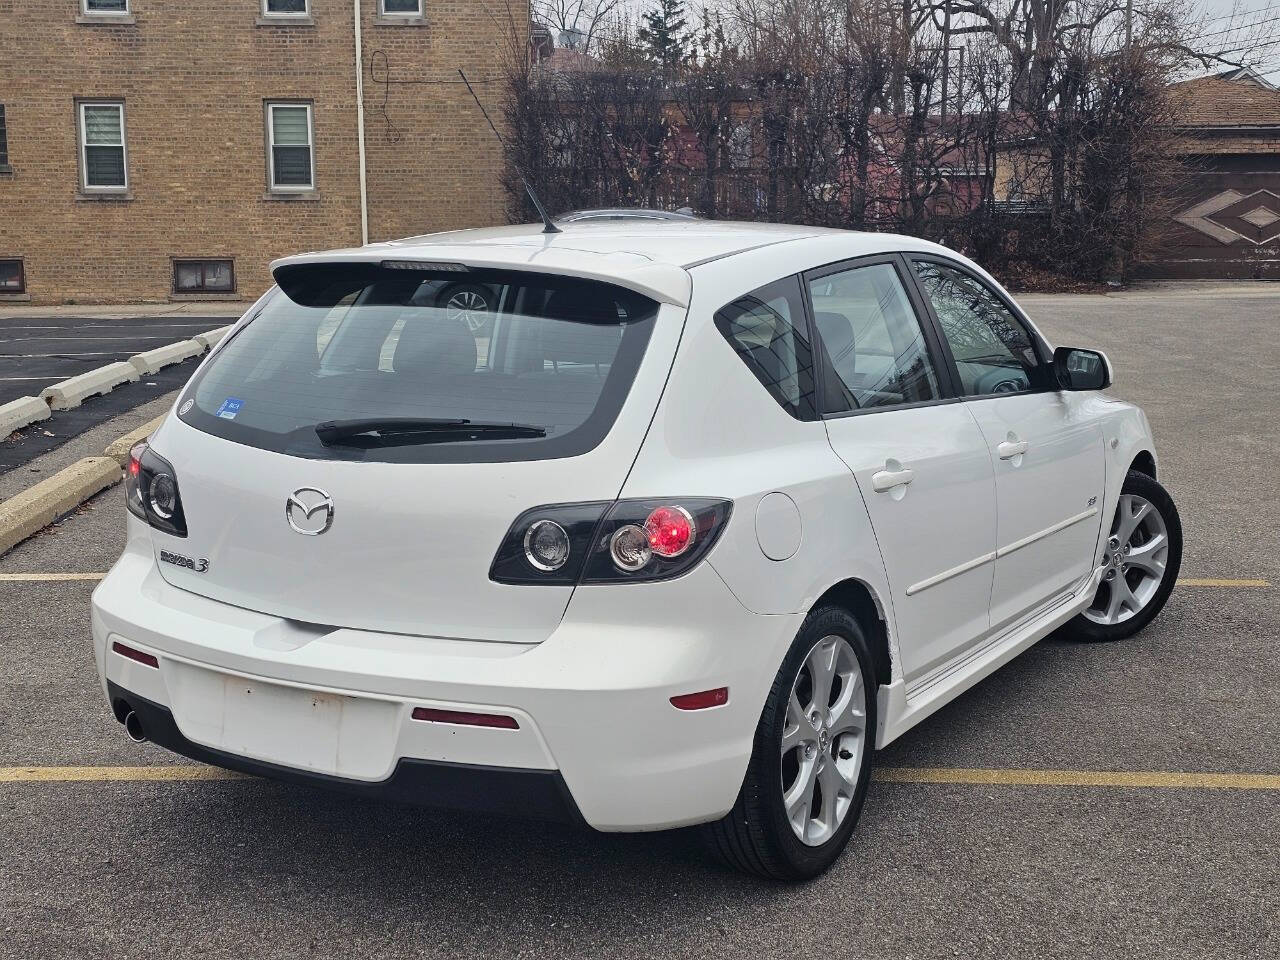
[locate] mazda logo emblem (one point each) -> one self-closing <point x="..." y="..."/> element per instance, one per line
<point x="309" y="511"/>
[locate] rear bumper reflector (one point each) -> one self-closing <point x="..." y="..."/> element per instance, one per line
<point x="129" y="653"/>
<point x="701" y="701"/>
<point x="465" y="718"/>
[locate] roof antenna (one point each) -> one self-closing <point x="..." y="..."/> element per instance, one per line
<point x="548" y="226"/>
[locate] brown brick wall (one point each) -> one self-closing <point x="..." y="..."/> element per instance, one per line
<point x="194" y="84"/>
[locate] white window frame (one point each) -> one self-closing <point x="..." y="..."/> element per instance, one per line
<point x="84" y="146"/>
<point x="88" y="12"/>
<point x="271" y="144"/>
<point x="285" y="14"/>
<point x="415" y="15"/>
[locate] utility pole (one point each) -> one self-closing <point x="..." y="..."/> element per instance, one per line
<point x="946" y="54"/>
<point x="1128" y="26"/>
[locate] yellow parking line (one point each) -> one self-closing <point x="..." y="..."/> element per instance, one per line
<point x="46" y="577"/>
<point x="1195" y="582"/>
<point x="926" y="775"/>
<point x="1078" y="778"/>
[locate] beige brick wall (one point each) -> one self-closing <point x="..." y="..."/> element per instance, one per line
<point x="194" y="79"/>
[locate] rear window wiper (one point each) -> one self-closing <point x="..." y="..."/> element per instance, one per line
<point x="394" y="431"/>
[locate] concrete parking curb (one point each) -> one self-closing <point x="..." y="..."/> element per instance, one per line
<point x="36" y="507"/>
<point x="213" y="337"/>
<point x="75" y="390"/>
<point x="153" y="360"/>
<point x="20" y="413"/>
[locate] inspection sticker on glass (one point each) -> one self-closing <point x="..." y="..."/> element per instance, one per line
<point x="230" y="407"/>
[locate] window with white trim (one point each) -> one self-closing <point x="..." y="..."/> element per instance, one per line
<point x="97" y="7"/>
<point x="103" y="155"/>
<point x="286" y="8"/>
<point x="290" y="157"/>
<point x="402" y="8"/>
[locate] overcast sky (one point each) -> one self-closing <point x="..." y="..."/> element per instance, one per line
<point x="1257" y="20"/>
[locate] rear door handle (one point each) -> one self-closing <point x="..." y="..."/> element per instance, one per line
<point x="1008" y="449"/>
<point x="883" y="481"/>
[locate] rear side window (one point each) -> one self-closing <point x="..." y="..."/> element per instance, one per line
<point x="873" y="339"/>
<point x="766" y="328"/>
<point x="386" y="357"/>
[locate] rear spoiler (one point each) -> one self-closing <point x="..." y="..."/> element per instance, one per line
<point x="663" y="282"/>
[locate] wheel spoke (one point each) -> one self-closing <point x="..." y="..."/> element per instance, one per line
<point x="799" y="799"/>
<point x="1121" y="598"/>
<point x="1151" y="556"/>
<point x="1131" y="511"/>
<point x="851" y="721"/>
<point x="832" y="785"/>
<point x="822" y="668"/>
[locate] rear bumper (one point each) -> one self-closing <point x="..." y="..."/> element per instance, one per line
<point x="539" y="794"/>
<point x="334" y="706"/>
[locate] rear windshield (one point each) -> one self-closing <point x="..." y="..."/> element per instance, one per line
<point x="409" y="365"/>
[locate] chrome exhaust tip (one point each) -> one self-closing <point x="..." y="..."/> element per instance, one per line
<point x="133" y="727"/>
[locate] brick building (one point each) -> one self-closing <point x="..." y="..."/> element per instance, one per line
<point x="157" y="149"/>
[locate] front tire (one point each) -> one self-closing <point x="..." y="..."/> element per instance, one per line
<point x="811" y="761"/>
<point x="1142" y="558"/>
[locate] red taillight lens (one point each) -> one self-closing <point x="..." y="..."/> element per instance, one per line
<point x="145" y="659"/>
<point x="701" y="701"/>
<point x="466" y="718"/>
<point x="670" y="531"/>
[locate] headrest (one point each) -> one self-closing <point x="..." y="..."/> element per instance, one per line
<point x="581" y="305"/>
<point x="432" y="346"/>
<point x="837" y="335"/>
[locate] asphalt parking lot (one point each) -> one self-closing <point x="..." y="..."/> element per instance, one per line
<point x="37" y="351"/>
<point x="108" y="848"/>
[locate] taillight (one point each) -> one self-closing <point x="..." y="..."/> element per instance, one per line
<point x="151" y="490"/>
<point x="627" y="540"/>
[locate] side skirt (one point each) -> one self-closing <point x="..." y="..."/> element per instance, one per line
<point x="899" y="710"/>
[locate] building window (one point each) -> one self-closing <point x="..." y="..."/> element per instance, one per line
<point x="402" y="8"/>
<point x="204" y="276"/>
<point x="4" y="143"/>
<point x="13" y="279"/>
<point x="285" y="8"/>
<point x="291" y="161"/>
<point x="97" y="7"/>
<point x="104" y="160"/>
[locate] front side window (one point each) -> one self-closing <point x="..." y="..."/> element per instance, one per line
<point x="767" y="330"/>
<point x="106" y="6"/>
<point x="873" y="340"/>
<point x="291" y="159"/>
<point x="994" y="352"/>
<point x="363" y="362"/>
<point x="285" y="8"/>
<point x="12" y="277"/>
<point x="402" y="8"/>
<point x="203" y="276"/>
<point x="102" y="140"/>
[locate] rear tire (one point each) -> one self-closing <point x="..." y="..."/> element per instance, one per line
<point x="1143" y="556"/>
<point x="796" y="756"/>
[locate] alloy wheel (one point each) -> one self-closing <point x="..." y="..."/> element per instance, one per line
<point x="822" y="740"/>
<point x="1135" y="561"/>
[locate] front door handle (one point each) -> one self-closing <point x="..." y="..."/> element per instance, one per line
<point x="885" y="480"/>
<point x="1008" y="449"/>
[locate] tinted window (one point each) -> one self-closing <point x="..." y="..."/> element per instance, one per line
<point x="766" y="329"/>
<point x="994" y="352"/>
<point x="358" y="342"/>
<point x="872" y="338"/>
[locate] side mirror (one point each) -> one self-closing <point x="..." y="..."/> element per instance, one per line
<point x="1080" y="369"/>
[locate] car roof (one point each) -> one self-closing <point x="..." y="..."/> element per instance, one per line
<point x="650" y="256"/>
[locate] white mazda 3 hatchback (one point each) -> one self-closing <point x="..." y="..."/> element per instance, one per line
<point x="700" y="516"/>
